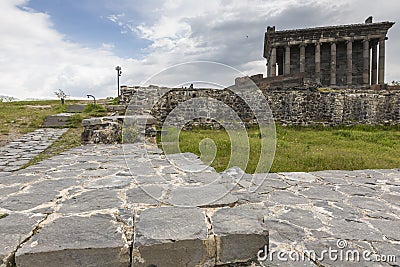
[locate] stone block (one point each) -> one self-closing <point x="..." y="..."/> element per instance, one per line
<point x="76" y="241"/>
<point x="239" y="234"/>
<point x="58" y="120"/>
<point x="15" y="228"/>
<point x="75" y="108"/>
<point x="170" y="236"/>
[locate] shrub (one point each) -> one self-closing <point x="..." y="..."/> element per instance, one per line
<point x="95" y="110"/>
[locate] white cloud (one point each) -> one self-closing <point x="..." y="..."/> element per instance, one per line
<point x="35" y="59"/>
<point x="231" y="32"/>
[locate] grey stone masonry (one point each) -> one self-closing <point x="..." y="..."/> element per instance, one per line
<point x="87" y="207"/>
<point x="301" y="106"/>
<point x="19" y="152"/>
<point x="112" y="129"/>
<point x="334" y="55"/>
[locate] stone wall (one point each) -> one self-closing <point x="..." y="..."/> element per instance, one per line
<point x="300" y="106"/>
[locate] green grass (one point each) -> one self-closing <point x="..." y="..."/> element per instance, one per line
<point x="308" y="148"/>
<point x="94" y="110"/>
<point x="21" y="117"/>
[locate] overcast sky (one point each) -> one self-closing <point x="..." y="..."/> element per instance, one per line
<point x="75" y="45"/>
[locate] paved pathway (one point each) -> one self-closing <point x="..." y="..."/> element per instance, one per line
<point x="83" y="208"/>
<point x="17" y="153"/>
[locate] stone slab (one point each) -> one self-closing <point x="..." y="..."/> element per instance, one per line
<point x="58" y="120"/>
<point x="210" y="195"/>
<point x="15" y="228"/>
<point x="93" y="200"/>
<point x="76" y="241"/>
<point x="239" y="234"/>
<point x="148" y="195"/>
<point x="37" y="194"/>
<point x="75" y="108"/>
<point x="170" y="236"/>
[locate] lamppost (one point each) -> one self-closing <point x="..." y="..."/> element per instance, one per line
<point x="119" y="72"/>
<point x="94" y="99"/>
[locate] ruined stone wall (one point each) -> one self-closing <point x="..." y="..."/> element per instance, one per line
<point x="300" y="106"/>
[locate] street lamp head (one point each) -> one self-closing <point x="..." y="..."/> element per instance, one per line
<point x="118" y="68"/>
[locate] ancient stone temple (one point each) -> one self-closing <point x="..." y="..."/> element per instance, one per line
<point x="343" y="55"/>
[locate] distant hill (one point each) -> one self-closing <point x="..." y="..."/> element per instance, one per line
<point x="4" y="98"/>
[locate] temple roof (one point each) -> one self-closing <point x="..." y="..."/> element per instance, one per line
<point x="366" y="30"/>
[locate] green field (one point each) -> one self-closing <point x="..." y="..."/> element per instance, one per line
<point x="309" y="148"/>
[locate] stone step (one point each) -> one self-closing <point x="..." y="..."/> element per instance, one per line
<point x="58" y="120"/>
<point x="164" y="236"/>
<point x="173" y="236"/>
<point x="119" y="109"/>
<point x="76" y="241"/>
<point x="76" y="108"/>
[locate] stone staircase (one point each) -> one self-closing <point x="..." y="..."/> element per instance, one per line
<point x="59" y="120"/>
<point x="62" y="119"/>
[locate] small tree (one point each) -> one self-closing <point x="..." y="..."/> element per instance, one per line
<point x="61" y="95"/>
<point x="395" y="82"/>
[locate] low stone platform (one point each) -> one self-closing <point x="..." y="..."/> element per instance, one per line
<point x="19" y="152"/>
<point x="110" y="129"/>
<point x="75" y="108"/>
<point x="57" y="120"/>
<point x="85" y="207"/>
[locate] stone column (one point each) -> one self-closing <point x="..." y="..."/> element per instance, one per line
<point x="280" y="59"/>
<point x="333" y="63"/>
<point x="318" y="62"/>
<point x="349" y="62"/>
<point x="302" y="58"/>
<point x="366" y="62"/>
<point x="381" y="71"/>
<point x="374" y="70"/>
<point x="272" y="61"/>
<point x="287" y="60"/>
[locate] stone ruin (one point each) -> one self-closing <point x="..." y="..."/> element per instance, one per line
<point x="81" y="208"/>
<point x="343" y="55"/>
<point x="326" y="76"/>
